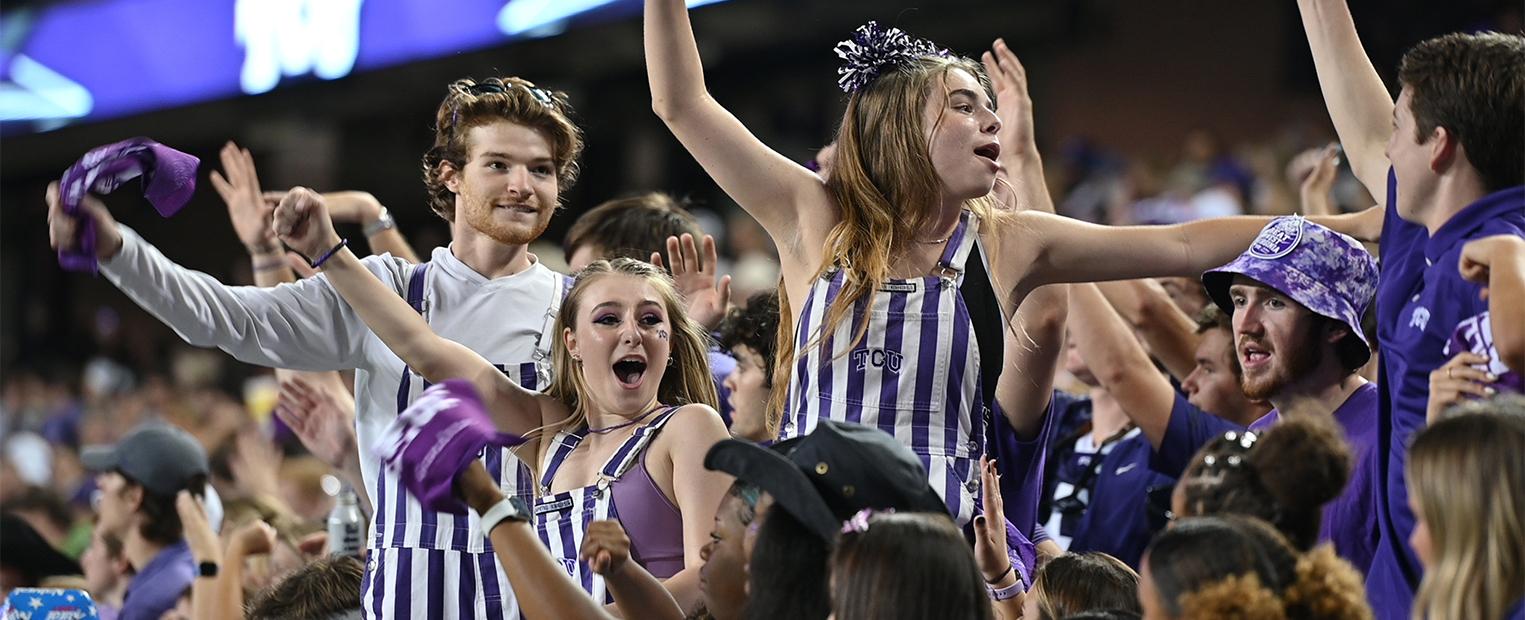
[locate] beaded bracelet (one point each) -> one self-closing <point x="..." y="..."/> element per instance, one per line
<point x="329" y="254"/>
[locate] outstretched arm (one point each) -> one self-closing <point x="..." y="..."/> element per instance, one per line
<point x="1108" y="346"/>
<point x="786" y="198"/>
<point x="302" y="222"/>
<point x="1358" y="103"/>
<point x="1049" y="248"/>
<point x="1170" y="334"/>
<point x="262" y="326"/>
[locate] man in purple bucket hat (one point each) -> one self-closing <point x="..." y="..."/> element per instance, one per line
<point x="1297" y="297"/>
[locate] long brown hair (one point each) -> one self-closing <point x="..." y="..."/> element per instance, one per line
<point x="687" y="381"/>
<point x="882" y="182"/>
<point x="1467" y="477"/>
<point x="886" y="192"/>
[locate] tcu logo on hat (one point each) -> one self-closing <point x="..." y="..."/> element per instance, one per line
<point x="1278" y="239"/>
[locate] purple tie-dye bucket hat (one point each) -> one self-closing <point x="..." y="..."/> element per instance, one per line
<point x="1325" y="271"/>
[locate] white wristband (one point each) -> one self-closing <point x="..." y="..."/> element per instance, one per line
<point x="494" y="516"/>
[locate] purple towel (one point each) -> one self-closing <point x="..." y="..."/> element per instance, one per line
<point x="435" y="439"/>
<point x="169" y="178"/>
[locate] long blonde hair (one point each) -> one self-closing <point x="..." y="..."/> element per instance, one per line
<point x="886" y="192"/>
<point x="1467" y="475"/>
<point x="687" y="381"/>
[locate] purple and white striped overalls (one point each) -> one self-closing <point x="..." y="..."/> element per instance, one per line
<point x="561" y="519"/>
<point x="410" y="545"/>
<point x="915" y="374"/>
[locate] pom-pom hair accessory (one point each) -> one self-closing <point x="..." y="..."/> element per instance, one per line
<point x="872" y="48"/>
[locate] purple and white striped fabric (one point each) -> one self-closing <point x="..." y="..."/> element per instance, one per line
<point x="561" y="519"/>
<point x="431" y="442"/>
<point x="427" y="564"/>
<point x="915" y="374"/>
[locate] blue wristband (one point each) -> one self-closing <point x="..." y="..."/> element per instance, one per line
<point x="329" y="254"/>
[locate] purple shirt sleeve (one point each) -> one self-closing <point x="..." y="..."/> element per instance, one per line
<point x="1020" y="463"/>
<point x="1189" y="429"/>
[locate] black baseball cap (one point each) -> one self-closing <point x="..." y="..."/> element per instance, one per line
<point x="160" y="457"/>
<point x="827" y="476"/>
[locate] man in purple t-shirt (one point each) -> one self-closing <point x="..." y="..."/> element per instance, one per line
<point x="138" y="480"/>
<point x="1296" y="297"/>
<point x="1451" y="142"/>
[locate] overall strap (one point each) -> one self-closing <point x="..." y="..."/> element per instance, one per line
<point x="960" y="243"/>
<point x="565" y="444"/>
<point x="547" y="336"/>
<point x="415" y="297"/>
<point x="988" y="321"/>
<point x="630" y="453"/>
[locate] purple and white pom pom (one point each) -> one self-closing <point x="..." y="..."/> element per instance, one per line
<point x="872" y="49"/>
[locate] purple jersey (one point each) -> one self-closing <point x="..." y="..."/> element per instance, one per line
<point x="1421" y="299"/>
<point x="1347" y="520"/>
<point x="1187" y="431"/>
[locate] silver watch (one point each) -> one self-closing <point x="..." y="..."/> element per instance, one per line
<point x="383" y="222"/>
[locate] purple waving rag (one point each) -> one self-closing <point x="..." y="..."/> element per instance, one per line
<point x="169" y="177"/>
<point x="435" y="439"/>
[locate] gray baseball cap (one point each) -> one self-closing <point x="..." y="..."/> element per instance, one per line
<point x="160" y="457"/>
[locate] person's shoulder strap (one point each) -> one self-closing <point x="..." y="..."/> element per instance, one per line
<point x="986" y="317"/>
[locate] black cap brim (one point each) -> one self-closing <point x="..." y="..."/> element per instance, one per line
<point x="99" y="458"/>
<point x="780" y="477"/>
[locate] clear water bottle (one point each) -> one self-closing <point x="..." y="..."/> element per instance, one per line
<point x="346" y="524"/>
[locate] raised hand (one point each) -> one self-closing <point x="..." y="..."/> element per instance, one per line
<point x="255" y="464"/>
<point x="204" y="544"/>
<point x="1456" y="380"/>
<point x="254" y="538"/>
<point x="62" y="226"/>
<point x="303" y="223"/>
<point x="239" y="188"/>
<point x="1014" y="106"/>
<point x="1314" y="171"/>
<point x="321" y="413"/>
<point x="708" y="296"/>
<point x="990" y="528"/>
<point x="606" y="547"/>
